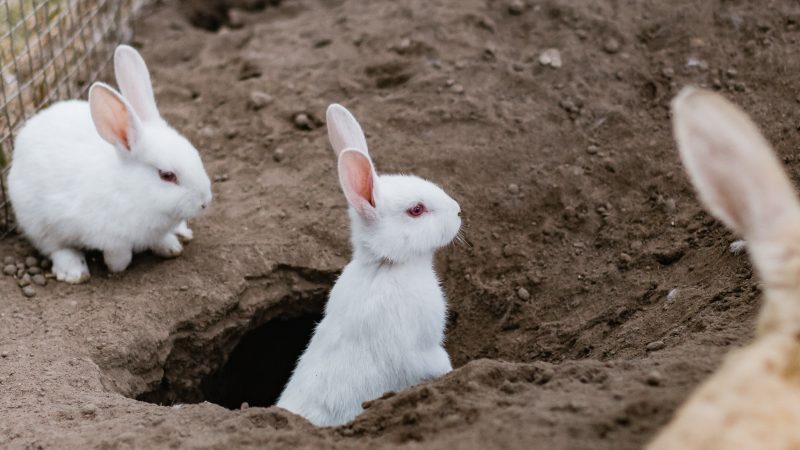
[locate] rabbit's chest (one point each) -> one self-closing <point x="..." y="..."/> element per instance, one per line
<point x="383" y="312"/>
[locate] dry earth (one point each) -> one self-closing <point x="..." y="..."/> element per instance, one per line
<point x="596" y="293"/>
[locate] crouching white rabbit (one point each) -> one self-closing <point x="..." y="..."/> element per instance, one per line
<point x="108" y="174"/>
<point x="384" y="322"/>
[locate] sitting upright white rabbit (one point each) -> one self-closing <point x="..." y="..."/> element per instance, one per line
<point x="384" y="323"/>
<point x="108" y="174"/>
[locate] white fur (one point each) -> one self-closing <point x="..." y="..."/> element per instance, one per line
<point x="738" y="246"/>
<point x="384" y="323"/>
<point x="73" y="189"/>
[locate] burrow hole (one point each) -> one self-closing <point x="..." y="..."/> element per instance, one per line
<point x="255" y="371"/>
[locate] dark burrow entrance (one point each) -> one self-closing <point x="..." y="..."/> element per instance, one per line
<point x="256" y="371"/>
<point x="261" y="364"/>
<point x="247" y="353"/>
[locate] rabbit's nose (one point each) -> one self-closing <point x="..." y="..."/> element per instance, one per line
<point x="204" y="205"/>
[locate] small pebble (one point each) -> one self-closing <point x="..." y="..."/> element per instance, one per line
<point x="673" y="295"/>
<point x="513" y="189"/>
<point x="30" y="261"/>
<point x="28" y="291"/>
<point x="10" y="269"/>
<point x="654" y="378"/>
<point x="523" y="294"/>
<point x="279" y="154"/>
<point x="458" y="89"/>
<point x="34" y="270"/>
<point x="39" y="280"/>
<point x="403" y="45"/>
<point x="184" y="288"/>
<point x="592" y="149"/>
<point x="235" y="19"/>
<point x="302" y="121"/>
<point x="611" y="46"/>
<point x="8" y="260"/>
<point x="516" y="7"/>
<point x="244" y="405"/>
<point x="4" y="354"/>
<point x="655" y="345"/>
<point x="550" y="57"/>
<point x="88" y="409"/>
<point x="25" y="280"/>
<point x="259" y="100"/>
<point x="208" y="131"/>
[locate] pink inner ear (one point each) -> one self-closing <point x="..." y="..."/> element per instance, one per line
<point x="111" y="117"/>
<point x="356" y="172"/>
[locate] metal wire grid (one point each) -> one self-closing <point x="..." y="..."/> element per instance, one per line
<point x="51" y="50"/>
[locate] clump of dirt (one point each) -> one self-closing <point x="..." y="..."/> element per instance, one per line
<point x="595" y="294"/>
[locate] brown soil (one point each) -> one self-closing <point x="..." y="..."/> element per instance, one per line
<point x="602" y="225"/>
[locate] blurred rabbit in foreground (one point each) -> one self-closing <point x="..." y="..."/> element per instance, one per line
<point x="753" y="400"/>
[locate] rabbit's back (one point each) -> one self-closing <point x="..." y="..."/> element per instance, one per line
<point x="62" y="178"/>
<point x="59" y="139"/>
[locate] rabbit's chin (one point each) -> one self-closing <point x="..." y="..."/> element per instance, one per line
<point x="397" y="243"/>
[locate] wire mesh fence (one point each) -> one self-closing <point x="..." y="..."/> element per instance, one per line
<point x="51" y="50"/>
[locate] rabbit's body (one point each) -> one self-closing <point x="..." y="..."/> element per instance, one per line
<point x="75" y="187"/>
<point x="378" y="328"/>
<point x="384" y="323"/>
<point x="108" y="174"/>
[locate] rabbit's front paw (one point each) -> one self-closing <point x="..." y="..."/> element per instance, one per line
<point x="183" y="232"/>
<point x="169" y="247"/>
<point x="70" y="266"/>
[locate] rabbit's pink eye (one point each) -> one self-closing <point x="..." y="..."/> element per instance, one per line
<point x="168" y="176"/>
<point x="416" y="210"/>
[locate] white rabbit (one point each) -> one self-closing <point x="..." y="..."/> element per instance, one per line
<point x="384" y="323"/>
<point x="108" y="174"/>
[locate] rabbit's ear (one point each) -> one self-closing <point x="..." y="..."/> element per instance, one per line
<point x="344" y="131"/>
<point x="113" y="117"/>
<point x="134" y="82"/>
<point x="358" y="180"/>
<point x="730" y="163"/>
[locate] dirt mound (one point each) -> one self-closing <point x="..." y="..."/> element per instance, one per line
<point x="595" y="293"/>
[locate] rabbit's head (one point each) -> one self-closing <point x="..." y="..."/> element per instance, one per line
<point x="171" y="168"/>
<point x="395" y="218"/>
